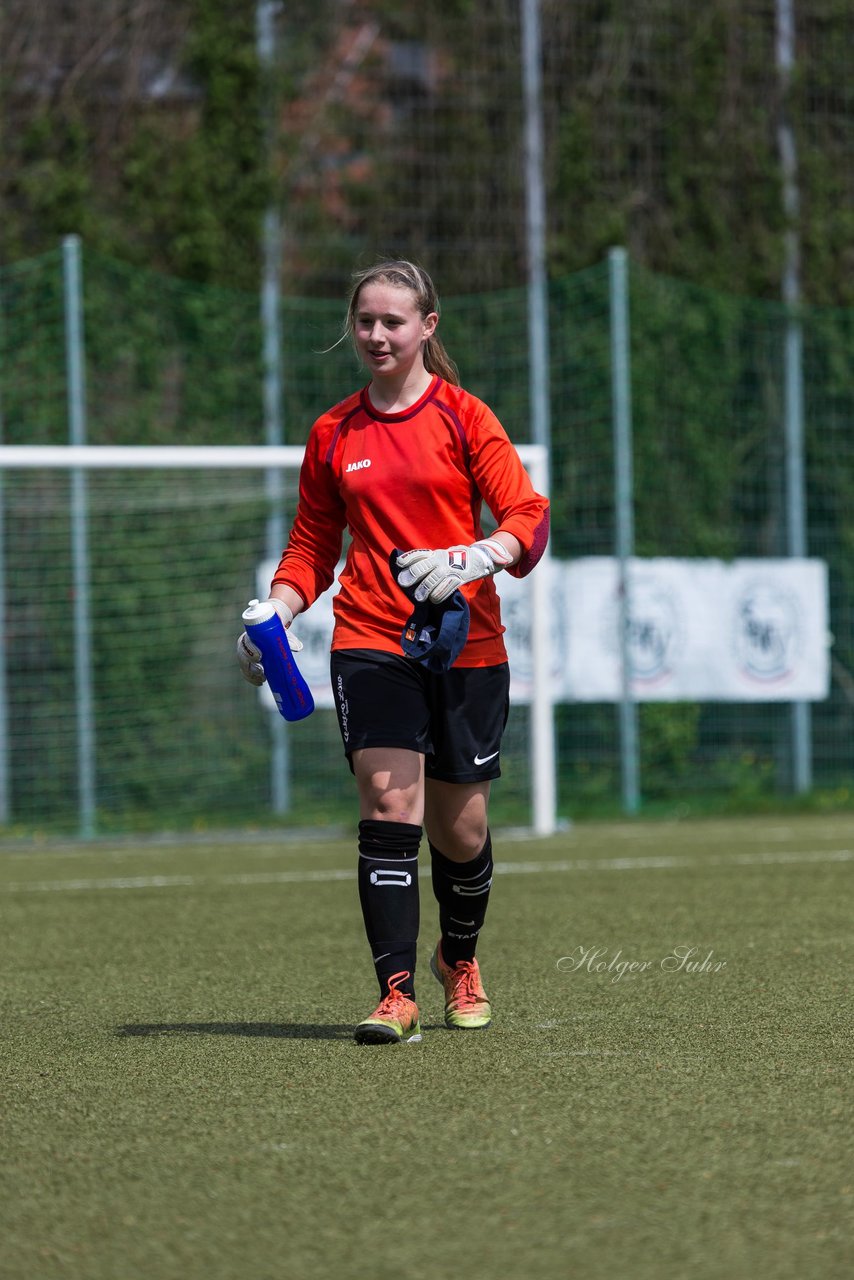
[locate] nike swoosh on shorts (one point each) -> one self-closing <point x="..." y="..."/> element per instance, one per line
<point x="485" y="759"/>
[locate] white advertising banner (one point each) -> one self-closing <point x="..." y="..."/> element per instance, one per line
<point x="698" y="630"/>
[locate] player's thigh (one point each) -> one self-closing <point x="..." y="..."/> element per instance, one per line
<point x="390" y="781"/>
<point x="456" y="817"/>
<point x="469" y="708"/>
<point x="381" y="700"/>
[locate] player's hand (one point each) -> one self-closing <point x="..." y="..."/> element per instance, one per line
<point x="249" y="655"/>
<point x="438" y="574"/>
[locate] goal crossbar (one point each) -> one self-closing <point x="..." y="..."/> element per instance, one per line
<point x="93" y="457"/>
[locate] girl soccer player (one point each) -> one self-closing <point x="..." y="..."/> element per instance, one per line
<point x="405" y="464"/>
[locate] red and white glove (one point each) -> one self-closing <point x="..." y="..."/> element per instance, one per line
<point x="439" y="573"/>
<point x="249" y="655"/>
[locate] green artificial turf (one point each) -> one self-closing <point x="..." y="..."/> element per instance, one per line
<point x="181" y="1096"/>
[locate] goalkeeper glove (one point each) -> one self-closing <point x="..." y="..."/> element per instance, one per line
<point x="439" y="573"/>
<point x="249" y="655"/>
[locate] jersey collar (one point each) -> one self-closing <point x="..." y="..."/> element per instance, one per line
<point x="428" y="395"/>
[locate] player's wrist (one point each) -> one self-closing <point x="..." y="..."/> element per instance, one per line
<point x="286" y="614"/>
<point x="499" y="556"/>
<point x="281" y="593"/>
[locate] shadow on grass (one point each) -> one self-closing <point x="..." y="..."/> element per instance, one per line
<point x="277" y="1030"/>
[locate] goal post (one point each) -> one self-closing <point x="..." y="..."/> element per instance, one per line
<point x="168" y="527"/>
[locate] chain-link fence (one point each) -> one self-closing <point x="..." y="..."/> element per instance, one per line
<point x="179" y="738"/>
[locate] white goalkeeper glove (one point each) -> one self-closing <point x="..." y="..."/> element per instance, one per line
<point x="439" y="573"/>
<point x="249" y="655"/>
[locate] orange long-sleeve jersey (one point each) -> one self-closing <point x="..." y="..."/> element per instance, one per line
<point x="412" y="479"/>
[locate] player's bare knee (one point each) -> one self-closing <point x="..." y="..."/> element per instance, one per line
<point x="459" y="844"/>
<point x="391" y="804"/>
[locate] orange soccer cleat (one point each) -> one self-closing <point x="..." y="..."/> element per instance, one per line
<point x="395" y="1019"/>
<point x="466" y="1005"/>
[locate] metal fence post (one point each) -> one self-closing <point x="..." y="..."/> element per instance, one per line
<point x="76" y="393"/>
<point x="535" y="209"/>
<point x="793" y="387"/>
<point x="265" y="31"/>
<point x="621" y="401"/>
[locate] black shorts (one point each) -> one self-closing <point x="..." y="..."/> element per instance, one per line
<point x="454" y="719"/>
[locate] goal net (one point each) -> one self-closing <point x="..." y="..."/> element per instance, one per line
<point x="123" y="574"/>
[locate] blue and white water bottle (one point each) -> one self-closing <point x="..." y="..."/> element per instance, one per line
<point x="265" y="629"/>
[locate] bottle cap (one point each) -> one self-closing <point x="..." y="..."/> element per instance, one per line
<point x="258" y="611"/>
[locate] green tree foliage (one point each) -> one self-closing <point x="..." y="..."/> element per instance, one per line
<point x="166" y="167"/>
<point x="400" y="129"/>
<point x="197" y="198"/>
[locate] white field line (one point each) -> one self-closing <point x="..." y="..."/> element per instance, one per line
<point x="677" y="862"/>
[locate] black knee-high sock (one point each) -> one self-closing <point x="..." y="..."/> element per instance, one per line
<point x="388" y="892"/>
<point x="462" y="892"/>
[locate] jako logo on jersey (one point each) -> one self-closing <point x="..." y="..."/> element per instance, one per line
<point x="358" y="466"/>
